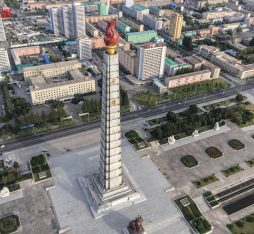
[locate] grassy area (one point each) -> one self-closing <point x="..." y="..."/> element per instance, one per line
<point x="244" y="225"/>
<point x="153" y="122"/>
<point x="149" y="99"/>
<point x="232" y="170"/>
<point x="250" y="162"/>
<point x="40" y="166"/>
<point x="138" y="142"/>
<point x="236" y="144"/>
<point x="125" y="109"/>
<point x="205" y="181"/>
<point x="9" y="224"/>
<point x="192" y="214"/>
<point x="250" y="107"/>
<point x="7" y="136"/>
<point x="199" y="88"/>
<point x="213" y="152"/>
<point x="219" y="104"/>
<point x="189" y="161"/>
<point x="210" y="199"/>
<point x="91" y="116"/>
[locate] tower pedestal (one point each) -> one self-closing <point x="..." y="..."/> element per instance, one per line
<point x="109" y="188"/>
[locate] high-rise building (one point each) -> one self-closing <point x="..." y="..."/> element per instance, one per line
<point x="79" y="20"/>
<point x="151" y="60"/>
<point x="67" y="16"/>
<point x="4" y="61"/>
<point x="56" y="21"/>
<point x="176" y="24"/>
<point x="84" y="48"/>
<point x="68" y="21"/>
<point x="2" y="33"/>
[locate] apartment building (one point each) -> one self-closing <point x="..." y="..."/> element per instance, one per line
<point x="43" y="89"/>
<point x="176" y="24"/>
<point x="151" y="60"/>
<point x="172" y="66"/>
<point x="2" y="32"/>
<point x="152" y="22"/>
<point x="226" y="62"/>
<point x="84" y="48"/>
<point x="53" y="70"/>
<point x="4" y="61"/>
<point x="68" y="20"/>
<point x="186" y="79"/>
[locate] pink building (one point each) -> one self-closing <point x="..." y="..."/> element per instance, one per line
<point x="186" y="79"/>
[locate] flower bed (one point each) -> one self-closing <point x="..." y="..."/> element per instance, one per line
<point x="232" y="170"/>
<point x="192" y="214"/>
<point x="236" y="144"/>
<point x="213" y="152"/>
<point x="138" y="142"/>
<point x="210" y="199"/>
<point x="205" y="181"/>
<point x="9" y="224"/>
<point x="40" y="168"/>
<point x="189" y="161"/>
<point x="250" y="162"/>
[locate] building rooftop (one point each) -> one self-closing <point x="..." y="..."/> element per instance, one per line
<point x="142" y="33"/>
<point x="40" y="82"/>
<point x="51" y="66"/>
<point x="155" y="8"/>
<point x="139" y="7"/>
<point x="188" y="74"/>
<point x="170" y="62"/>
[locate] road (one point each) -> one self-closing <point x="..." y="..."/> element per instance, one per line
<point x="145" y="112"/>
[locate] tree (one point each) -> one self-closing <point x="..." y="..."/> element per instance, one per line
<point x="251" y="42"/>
<point x="187" y="42"/>
<point x="172" y="117"/>
<point x="239" y="98"/>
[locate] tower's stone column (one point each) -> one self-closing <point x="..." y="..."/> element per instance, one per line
<point x="110" y="151"/>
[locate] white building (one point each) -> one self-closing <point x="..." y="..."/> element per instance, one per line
<point x="79" y="20"/>
<point x="151" y="60"/>
<point x="56" y="21"/>
<point x="2" y="33"/>
<point x="152" y="22"/>
<point x="4" y="61"/>
<point x="68" y="17"/>
<point x="68" y="21"/>
<point x="84" y="48"/>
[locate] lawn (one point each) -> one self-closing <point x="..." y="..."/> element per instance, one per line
<point x="225" y="103"/>
<point x="40" y="168"/>
<point x="250" y="107"/>
<point x="232" y="170"/>
<point x="153" y="122"/>
<point x="149" y="99"/>
<point x="189" y="161"/>
<point x="138" y="142"/>
<point x="192" y="214"/>
<point x="9" y="224"/>
<point x="244" y="225"/>
<point x="125" y="109"/>
<point x="236" y="144"/>
<point x="199" y="88"/>
<point x="91" y="116"/>
<point x="205" y="181"/>
<point x="213" y="152"/>
<point x="210" y="199"/>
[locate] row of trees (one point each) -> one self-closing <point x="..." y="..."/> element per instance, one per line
<point x="191" y="120"/>
<point x="14" y="106"/>
<point x="91" y="106"/>
<point x="187" y="43"/>
<point x="124" y="100"/>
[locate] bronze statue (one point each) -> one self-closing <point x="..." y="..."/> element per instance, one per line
<point x="135" y="226"/>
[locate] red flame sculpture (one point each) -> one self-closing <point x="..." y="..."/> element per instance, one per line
<point x="5" y="13"/>
<point x="111" y="37"/>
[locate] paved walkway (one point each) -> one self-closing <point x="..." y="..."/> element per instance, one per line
<point x="13" y="196"/>
<point x="192" y="139"/>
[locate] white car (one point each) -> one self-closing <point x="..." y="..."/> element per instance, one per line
<point x="2" y="146"/>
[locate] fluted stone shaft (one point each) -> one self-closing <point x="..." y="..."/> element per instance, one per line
<point x="110" y="152"/>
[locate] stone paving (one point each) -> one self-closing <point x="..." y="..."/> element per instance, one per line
<point x="34" y="210"/>
<point x="181" y="177"/>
